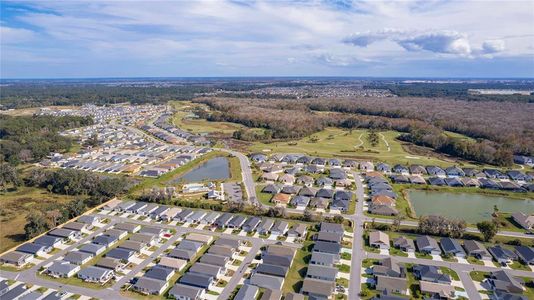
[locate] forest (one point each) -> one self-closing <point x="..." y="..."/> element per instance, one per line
<point x="30" y="138"/>
<point x="498" y="129"/>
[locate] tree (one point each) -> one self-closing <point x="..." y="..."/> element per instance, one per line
<point x="397" y="222"/>
<point x="36" y="224"/>
<point x="92" y="141"/>
<point x="373" y="138"/>
<point x="488" y="230"/>
<point x="8" y="175"/>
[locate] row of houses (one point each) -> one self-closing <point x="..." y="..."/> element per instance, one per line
<point x="320" y="279"/>
<point x="303" y="197"/>
<point x="263" y="226"/>
<point x="163" y="123"/>
<point x="453" y="247"/>
<point x="203" y="275"/>
<point x="44" y="244"/>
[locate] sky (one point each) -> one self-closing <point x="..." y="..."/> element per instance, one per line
<point x="431" y="38"/>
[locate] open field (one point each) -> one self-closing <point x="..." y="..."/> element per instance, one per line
<point x="183" y="118"/>
<point x="14" y="207"/>
<point x="336" y="142"/>
<point x="32" y="110"/>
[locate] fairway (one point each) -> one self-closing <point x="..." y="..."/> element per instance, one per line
<point x="183" y="118"/>
<point x="335" y="142"/>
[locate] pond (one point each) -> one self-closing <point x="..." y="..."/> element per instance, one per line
<point x="470" y="207"/>
<point x="217" y="168"/>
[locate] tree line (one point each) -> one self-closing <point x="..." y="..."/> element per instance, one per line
<point x="497" y="130"/>
<point x="31" y="138"/>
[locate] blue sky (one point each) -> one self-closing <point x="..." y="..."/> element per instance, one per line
<point x="434" y="38"/>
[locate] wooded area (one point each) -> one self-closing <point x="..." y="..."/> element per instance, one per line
<point x="30" y="138"/>
<point x="499" y="129"/>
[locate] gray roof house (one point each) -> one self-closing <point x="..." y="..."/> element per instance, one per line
<point x="94" y="249"/>
<point x="326" y="247"/>
<point x="389" y="267"/>
<point x="62" y="269"/>
<point x="223" y="220"/>
<point x="234" y="243"/>
<point x="197" y="280"/>
<point x="431" y="273"/>
<point x="251" y="224"/>
<point x="265" y="226"/>
<point x="280" y="227"/>
<point x="237" y="221"/>
<point x="186" y="292"/>
<point x="130" y="227"/>
<point x="110" y="263"/>
<point x="267" y="281"/>
<point x="323" y="259"/>
<point x="195" y="217"/>
<point x="105" y="240"/>
<point x="78" y="257"/>
<point x="502" y="255"/>
<point x="298" y="230"/>
<point x="35" y="249"/>
<point x="64" y="233"/>
<point x="206" y="269"/>
<point x="153" y="230"/>
<point x="210" y="218"/>
<point x="332" y="227"/>
<point x="428" y="245"/>
<point x="150" y="286"/>
<point x="277" y="260"/>
<point x="121" y="254"/>
<point x="215" y="260"/>
<point x="406" y="245"/>
<point x="148" y="239"/>
<point x="183" y="254"/>
<point x="181" y="216"/>
<point x="273" y="270"/>
<point x="247" y="292"/>
<point x="525" y="254"/>
<point x="452" y="247"/>
<point x="16" y="258"/>
<point x="189" y="245"/>
<point x="322" y="272"/>
<point x="476" y="249"/>
<point x="49" y="241"/>
<point x="95" y="274"/>
<point x="119" y="234"/>
<point x="320" y="289"/>
<point x="160" y="273"/>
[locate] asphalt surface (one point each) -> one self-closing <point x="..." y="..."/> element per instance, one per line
<point x="357" y="242"/>
<point x="234" y="281"/>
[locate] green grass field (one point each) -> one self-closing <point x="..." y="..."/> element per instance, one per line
<point x="183" y="119"/>
<point x="14" y="207"/>
<point x="336" y="142"/>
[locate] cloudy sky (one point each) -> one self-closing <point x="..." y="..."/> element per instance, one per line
<point x="55" y="39"/>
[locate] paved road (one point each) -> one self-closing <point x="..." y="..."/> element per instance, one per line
<point x="469" y="285"/>
<point x="117" y="286"/>
<point x="246" y="173"/>
<point x="357" y="243"/>
<point x="234" y="281"/>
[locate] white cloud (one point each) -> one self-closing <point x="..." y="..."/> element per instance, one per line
<point x="493" y="46"/>
<point x="440" y="42"/>
<point x="10" y="35"/>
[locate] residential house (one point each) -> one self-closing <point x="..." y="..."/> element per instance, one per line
<point x="272" y="188"/>
<point x="332" y="227"/>
<point x="280" y="227"/>
<point x="384" y="168"/>
<point x="272" y="270"/>
<point x="454" y="171"/>
<point x="300" y="202"/>
<point x="379" y="239"/>
<point x="502" y="255"/>
<point x="476" y="249"/>
<point x="430" y="273"/>
<point x="129" y="227"/>
<point x="105" y="240"/>
<point x="172" y="263"/>
<point x="437" y="290"/>
<point x="160" y="273"/>
<point x="78" y="257"/>
<point x="384" y="210"/>
<point x="62" y="269"/>
<point x="110" y="263"/>
<point x="525" y="254"/>
<point x="123" y="255"/>
<point x="435" y="171"/>
<point x="34" y="249"/>
<point x="391" y="284"/>
<point x="502" y="281"/>
<point x="247" y="292"/>
<point x="93" y="249"/>
<point x="265" y="226"/>
<point x="428" y="245"/>
<point x="215" y="260"/>
<point x="186" y="292"/>
<point x="323" y="259"/>
<point x="197" y="280"/>
<point x="307" y="191"/>
<point x="150" y="286"/>
<point x="291" y="189"/>
<point x="16" y="258"/>
<point x="452" y="247"/>
<point x="267" y="281"/>
<point x="305" y="180"/>
<point x="251" y="224"/>
<point x="317" y="288"/>
<point x="49" y="241"/>
<point x="95" y="274"/>
<point x="237" y="221"/>
<point x="65" y="233"/>
<point x="298" y="230"/>
<point x="206" y="269"/>
<point x="223" y="220"/>
<point x="404" y="244"/>
<point x="322" y="272"/>
<point x="389" y="267"/>
<point x="525" y="221"/>
<point x="332" y="237"/>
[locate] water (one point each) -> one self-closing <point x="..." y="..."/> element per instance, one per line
<point x="217" y="168"/>
<point x="470" y="207"/>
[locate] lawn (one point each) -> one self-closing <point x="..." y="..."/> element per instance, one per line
<point x="264" y="198"/>
<point x="479" y="275"/>
<point x="295" y="276"/>
<point x="450" y="272"/>
<point x="185" y="119"/>
<point x="339" y="142"/>
<point x="14" y="207"/>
